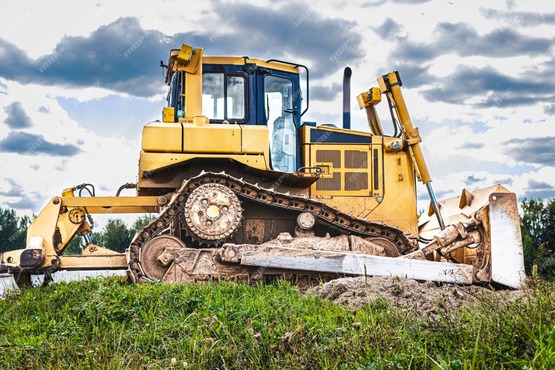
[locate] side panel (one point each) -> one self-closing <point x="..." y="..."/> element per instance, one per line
<point x="363" y="175"/>
<point x="212" y="138"/>
<point x="162" y="137"/>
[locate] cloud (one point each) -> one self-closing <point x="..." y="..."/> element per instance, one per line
<point x="550" y="109"/>
<point x="534" y="150"/>
<point x="329" y="44"/>
<point x="44" y="110"/>
<point x="120" y="56"/>
<point x="463" y="40"/>
<point x="472" y="145"/>
<point x="376" y="3"/>
<point x="390" y="29"/>
<point x="15" y="189"/>
<point x="522" y="19"/>
<point x="414" y="75"/>
<point x="539" y="189"/>
<point x="27" y="200"/>
<point x="30" y="144"/>
<point x="325" y="93"/>
<point x="17" y="118"/>
<point x="470" y="180"/>
<point x="538" y="185"/>
<point x="493" y="88"/>
<point x="24" y="203"/>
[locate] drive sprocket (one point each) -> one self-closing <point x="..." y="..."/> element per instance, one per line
<point x="212" y="213"/>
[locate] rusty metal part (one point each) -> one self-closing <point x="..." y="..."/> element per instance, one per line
<point x="77" y="215"/>
<point x="452" y="238"/>
<point x="326" y="215"/>
<point x="156" y="255"/>
<point x="31" y="257"/>
<point x="212" y="213"/>
<point x="385" y="246"/>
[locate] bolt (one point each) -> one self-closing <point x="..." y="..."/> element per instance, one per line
<point x="395" y="145"/>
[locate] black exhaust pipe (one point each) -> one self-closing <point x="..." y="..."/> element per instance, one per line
<point x="347" y="98"/>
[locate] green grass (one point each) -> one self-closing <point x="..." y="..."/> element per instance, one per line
<point x="108" y="324"/>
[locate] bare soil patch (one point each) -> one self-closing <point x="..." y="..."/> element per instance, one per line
<point x="425" y="297"/>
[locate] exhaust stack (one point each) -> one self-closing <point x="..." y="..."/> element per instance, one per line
<point x="347" y="98"/>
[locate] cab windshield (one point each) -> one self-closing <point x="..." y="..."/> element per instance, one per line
<point x="223" y="97"/>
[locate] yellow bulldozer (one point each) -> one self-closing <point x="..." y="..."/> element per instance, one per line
<point x="242" y="188"/>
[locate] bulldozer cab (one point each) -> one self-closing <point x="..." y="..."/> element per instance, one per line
<point x="241" y="91"/>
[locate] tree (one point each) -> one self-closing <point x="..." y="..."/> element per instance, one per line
<point x="115" y="235"/>
<point x="532" y="223"/>
<point x="13" y="230"/>
<point x="549" y="233"/>
<point x="538" y="236"/>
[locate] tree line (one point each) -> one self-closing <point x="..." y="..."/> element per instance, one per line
<point x="537" y="222"/>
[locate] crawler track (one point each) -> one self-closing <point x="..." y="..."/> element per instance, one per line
<point x="269" y="197"/>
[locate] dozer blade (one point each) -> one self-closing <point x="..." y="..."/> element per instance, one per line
<point x="498" y="256"/>
<point x="344" y="263"/>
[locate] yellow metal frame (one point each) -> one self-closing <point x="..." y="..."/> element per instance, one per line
<point x="64" y="216"/>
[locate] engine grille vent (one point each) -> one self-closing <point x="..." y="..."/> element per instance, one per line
<point x="356" y="159"/>
<point x="329" y="156"/>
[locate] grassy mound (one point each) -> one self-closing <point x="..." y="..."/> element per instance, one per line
<point x="107" y="324"/>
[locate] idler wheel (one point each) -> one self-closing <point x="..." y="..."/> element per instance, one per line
<point x="158" y="254"/>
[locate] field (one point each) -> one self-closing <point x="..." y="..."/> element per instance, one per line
<point x="106" y="323"/>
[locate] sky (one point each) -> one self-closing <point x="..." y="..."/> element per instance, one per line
<point x="78" y="80"/>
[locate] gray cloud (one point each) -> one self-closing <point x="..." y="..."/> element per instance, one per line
<point x="505" y="181"/>
<point x="539" y="189"/>
<point x="550" y="109"/>
<point x="15" y="189"/>
<point x="539" y="194"/>
<point x="472" y="146"/>
<point x="390" y="29"/>
<point x="414" y="75"/>
<point x="470" y="180"/>
<point x="325" y="93"/>
<point x="245" y="29"/>
<point x="522" y="19"/>
<point x="495" y="88"/>
<point x="17" y="118"/>
<point x="120" y="56"/>
<point x="376" y="3"/>
<point x="24" y="203"/>
<point x="30" y="144"/>
<point x="44" y="110"/>
<point x="539" y="185"/>
<point x="537" y="150"/>
<point x="463" y="40"/>
<point x="26" y="200"/>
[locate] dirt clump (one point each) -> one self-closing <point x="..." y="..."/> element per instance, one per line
<point x="425" y="297"/>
